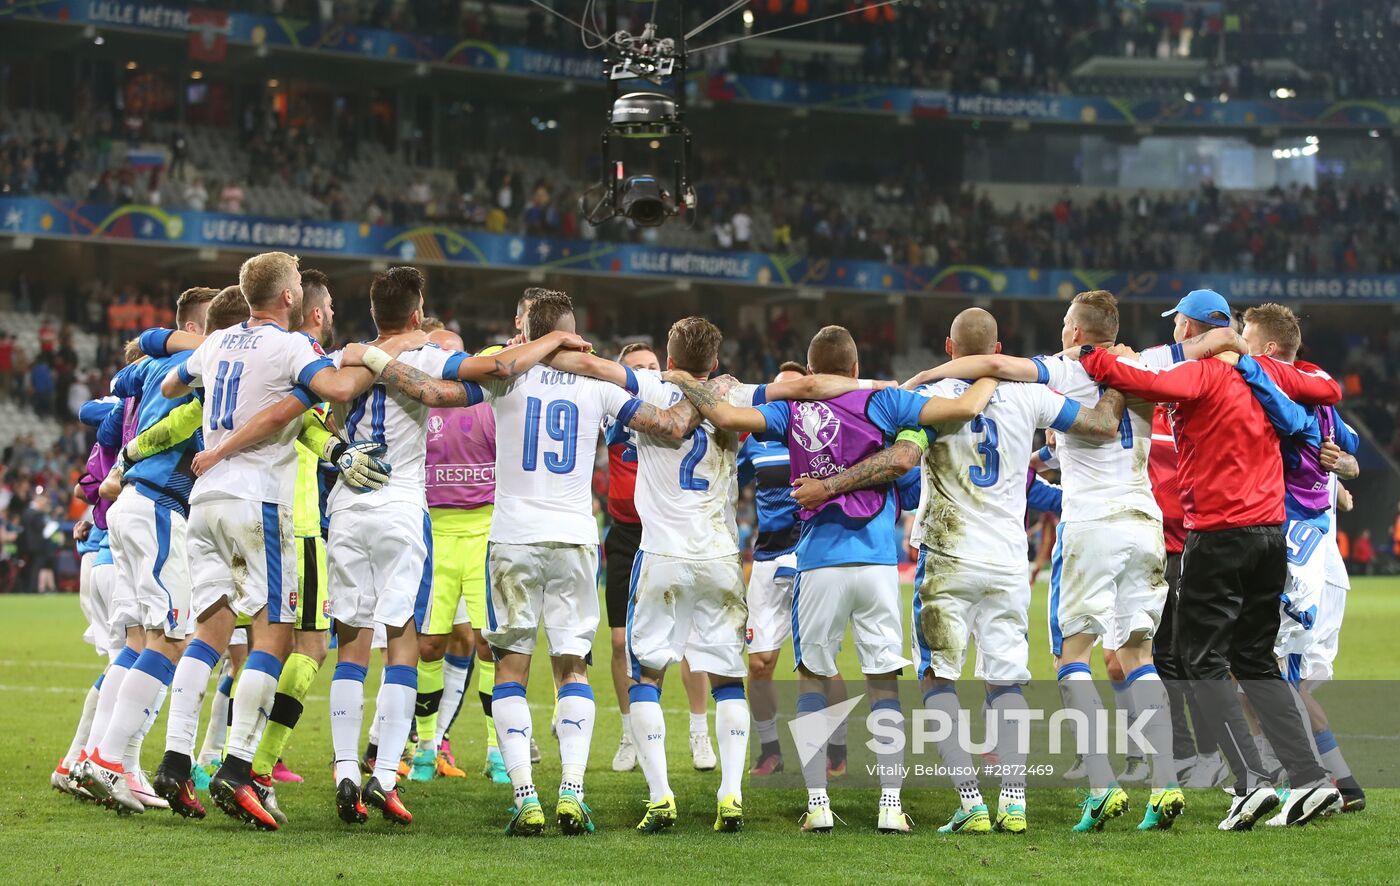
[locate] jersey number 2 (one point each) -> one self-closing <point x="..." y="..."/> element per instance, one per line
<point x="561" y="424"/>
<point x="225" y="397"/>
<point x="692" y="458"/>
<point x="989" y="470"/>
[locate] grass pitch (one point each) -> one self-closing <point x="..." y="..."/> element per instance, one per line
<point x="45" y="837"/>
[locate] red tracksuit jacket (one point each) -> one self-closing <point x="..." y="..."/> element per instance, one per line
<point x="1230" y="469"/>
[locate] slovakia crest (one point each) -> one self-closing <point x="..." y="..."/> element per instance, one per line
<point x="814" y="425"/>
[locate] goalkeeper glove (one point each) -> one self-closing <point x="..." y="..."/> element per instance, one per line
<point x="361" y="464"/>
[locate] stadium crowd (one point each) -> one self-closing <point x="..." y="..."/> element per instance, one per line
<point x="964" y="45"/>
<point x="905" y="220"/>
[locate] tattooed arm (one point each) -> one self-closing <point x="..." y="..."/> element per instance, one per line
<point x="883" y="467"/>
<point x="1100" y="423"/>
<point x="711" y="399"/>
<point x="507" y="364"/>
<point x="500" y="366"/>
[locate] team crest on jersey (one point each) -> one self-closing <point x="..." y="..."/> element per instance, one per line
<point x="814" y="425"/>
<point x="435" y="424"/>
<point x="292" y="599"/>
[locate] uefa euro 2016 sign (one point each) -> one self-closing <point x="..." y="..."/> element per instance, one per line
<point x="442" y="245"/>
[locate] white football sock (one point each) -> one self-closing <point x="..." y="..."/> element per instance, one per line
<point x="1150" y="700"/>
<point x="394" y="711"/>
<point x="107" y="696"/>
<point x="838" y="737"/>
<point x="576" y="713"/>
<point x="955" y="757"/>
<point x="1080" y="694"/>
<point x="140" y="691"/>
<point x="1124" y="700"/>
<point x="1011" y="743"/>
<point x="373" y="737"/>
<point x="890" y="761"/>
<point x="257" y="686"/>
<point x="217" y="729"/>
<point x="347" y="716"/>
<point x="84" y="727"/>
<point x="455" y="672"/>
<point x="132" y="760"/>
<point x="187" y="696"/>
<point x="811" y="704"/>
<point x="511" y="712"/>
<point x="649" y="733"/>
<point x="700" y="724"/>
<point x="767" y="730"/>
<point x="627" y="726"/>
<point x="1331" y="754"/>
<point x="732" y="734"/>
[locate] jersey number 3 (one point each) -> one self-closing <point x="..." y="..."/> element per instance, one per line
<point x="989" y="470"/>
<point x="561" y="424"/>
<point x="225" y="398"/>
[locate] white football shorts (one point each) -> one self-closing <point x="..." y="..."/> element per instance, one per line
<point x="1309" y="549"/>
<point x="95" y="582"/>
<point x="691" y="609"/>
<point x="381" y="565"/>
<point x="770" y="602"/>
<point x="152" y="578"/>
<point x="244" y="551"/>
<point x="1107" y="578"/>
<point x="866" y="597"/>
<point x="957" y="600"/>
<point x="549" y="583"/>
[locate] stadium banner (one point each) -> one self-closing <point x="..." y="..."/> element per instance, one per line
<point x="209" y="32"/>
<point x="443" y="245"/>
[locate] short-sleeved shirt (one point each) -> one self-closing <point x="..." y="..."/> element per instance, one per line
<point x="1101" y="480"/>
<point x="830" y="537"/>
<point x="687" y="489"/>
<point x="973" y="507"/>
<point x="546" y="435"/>
<point x="245" y="369"/>
<point x="384" y="414"/>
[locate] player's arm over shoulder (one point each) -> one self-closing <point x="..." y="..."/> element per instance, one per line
<point x="673" y="422"/>
<point x="876" y="469"/>
<point x="712" y="400"/>
<point x="1100" y="423"/>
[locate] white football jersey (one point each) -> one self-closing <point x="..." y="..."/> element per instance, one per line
<point x="1101" y="479"/>
<point x="686" y="489"/>
<point x="384" y="414"/>
<point x="972" y="507"/>
<point x="546" y="436"/>
<point x="245" y="369"/>
<point x="1336" y="567"/>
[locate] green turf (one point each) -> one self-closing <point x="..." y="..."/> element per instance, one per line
<point x="45" y="837"/>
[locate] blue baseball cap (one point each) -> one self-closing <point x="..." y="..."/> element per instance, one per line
<point x="1199" y="304"/>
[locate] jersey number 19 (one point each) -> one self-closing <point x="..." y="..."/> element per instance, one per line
<point x="561" y="424"/>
